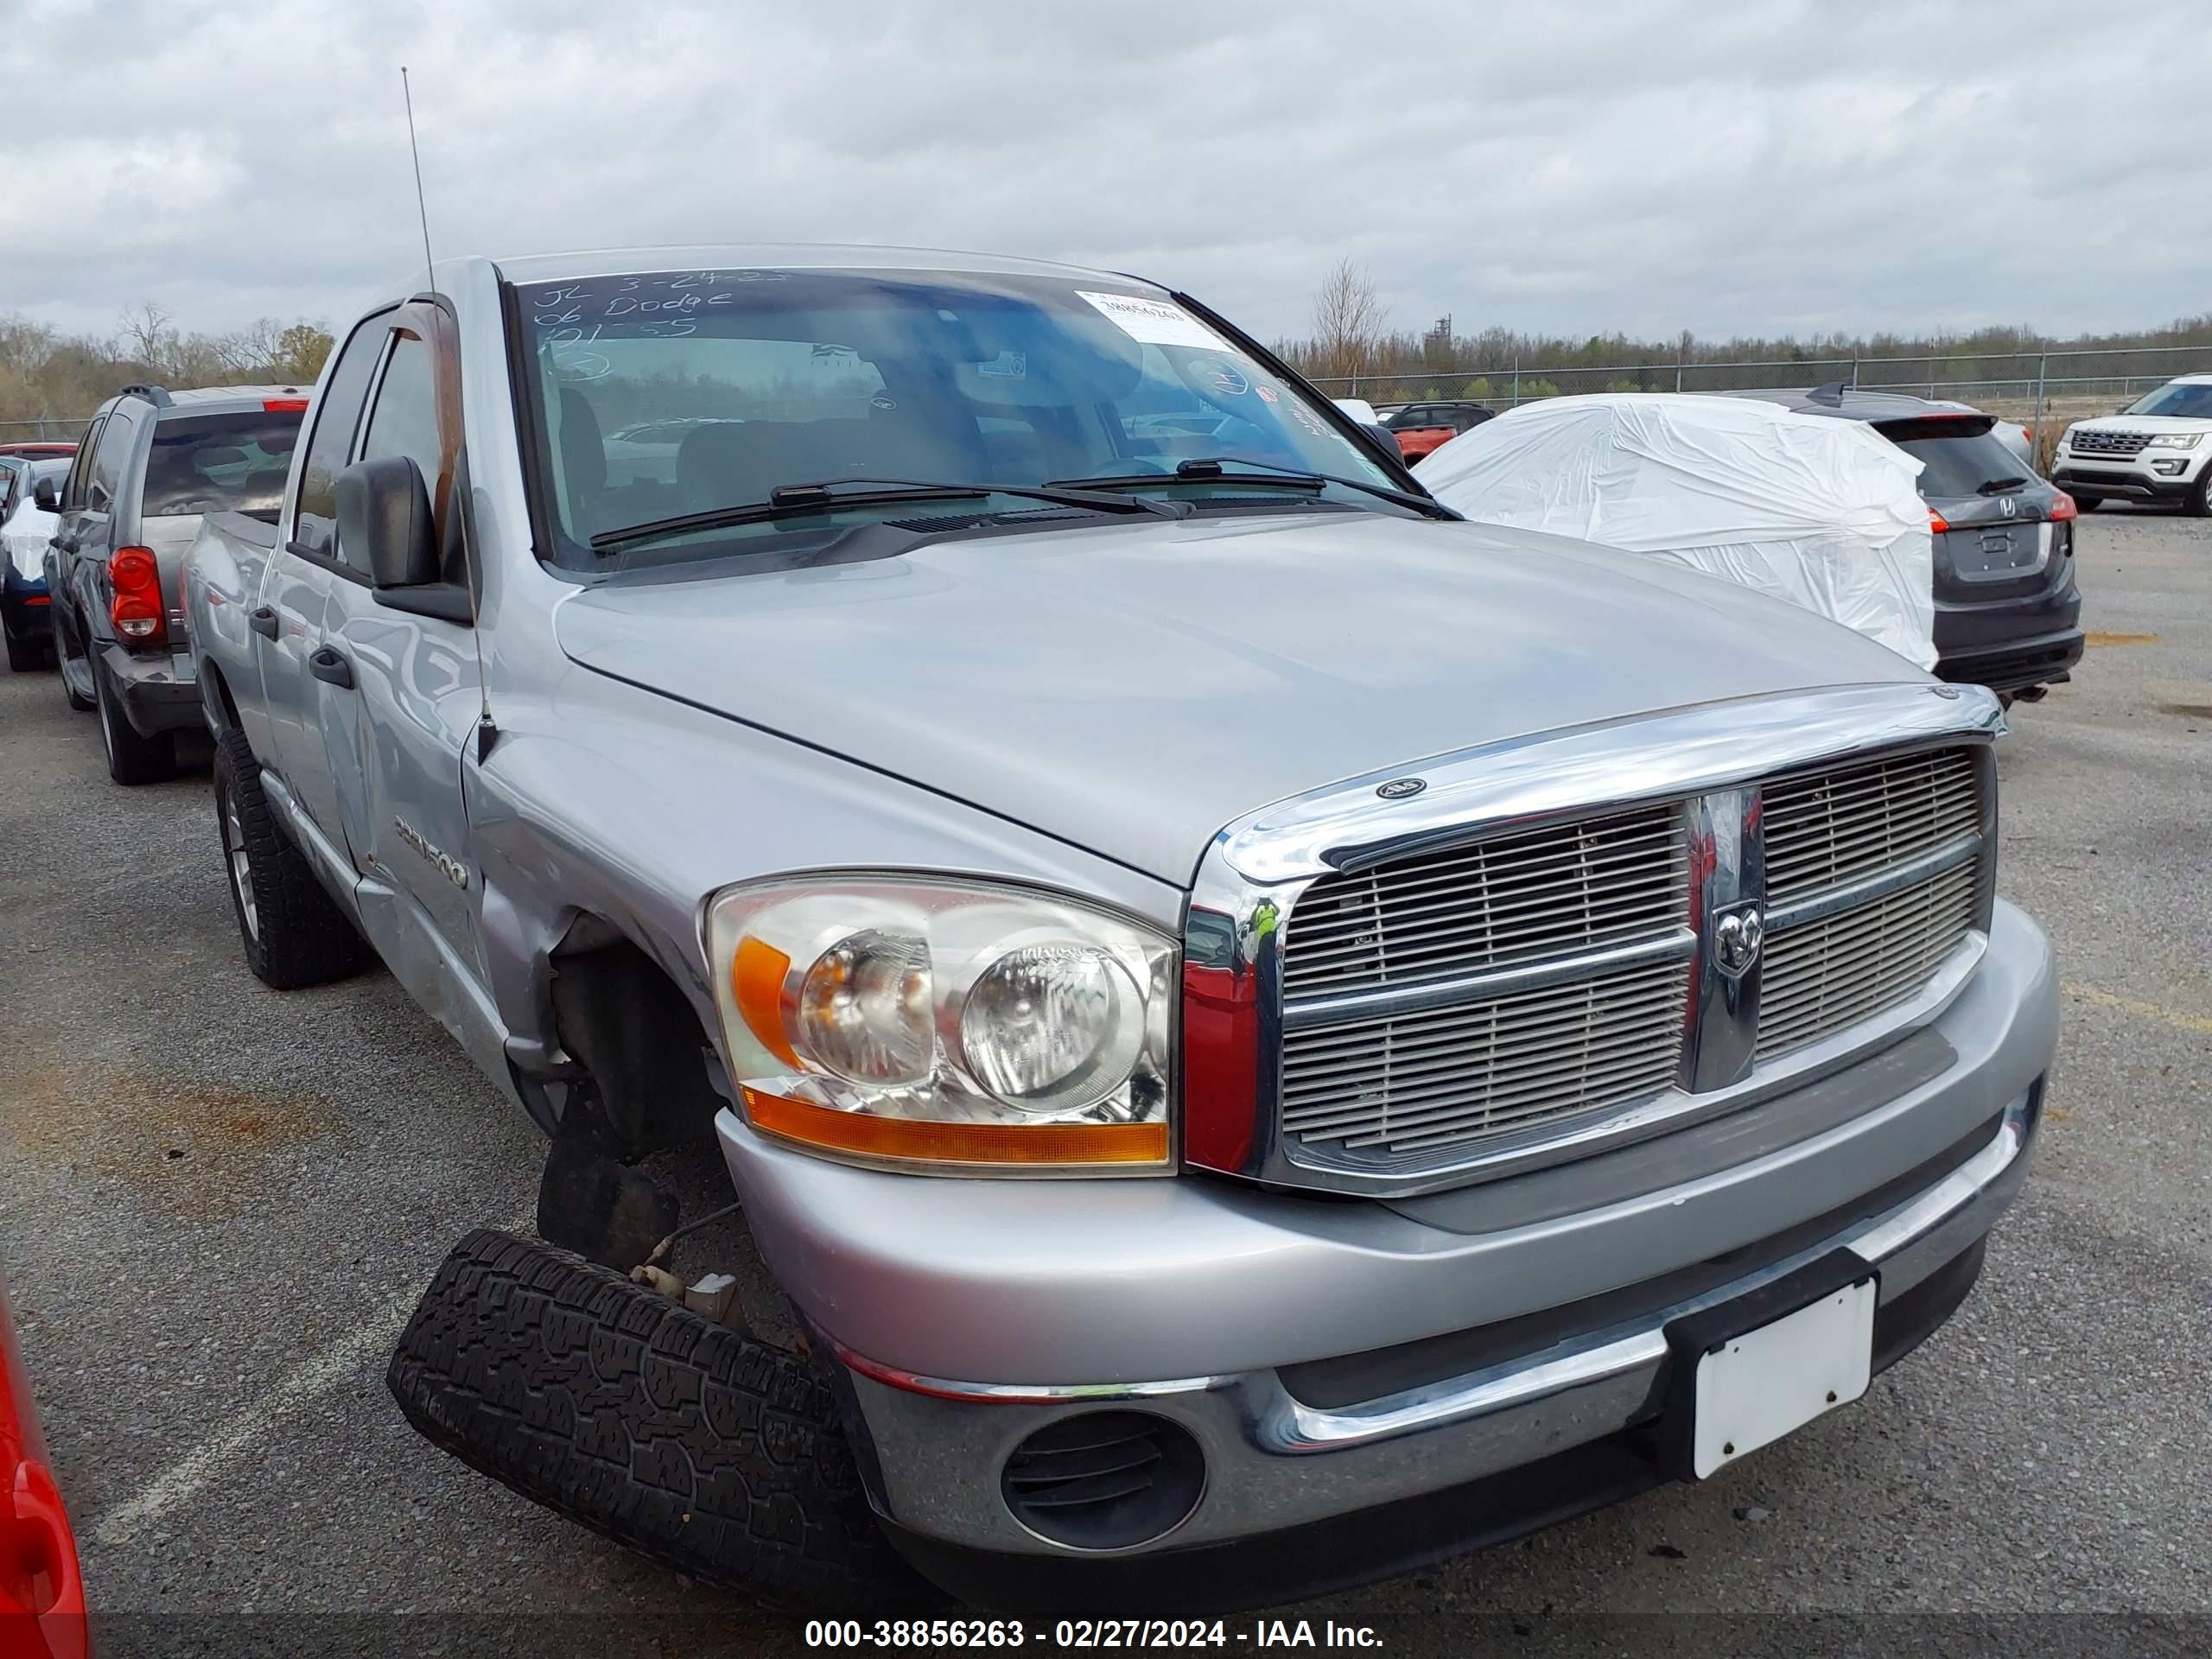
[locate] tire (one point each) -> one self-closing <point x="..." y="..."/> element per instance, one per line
<point x="62" y="656"/>
<point x="2087" y="503"/>
<point x="131" y="759"/>
<point x="2199" y="503"/>
<point x="293" y="932"/>
<point x="607" y="1403"/>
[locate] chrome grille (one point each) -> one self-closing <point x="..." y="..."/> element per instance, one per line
<point x="1515" y="898"/>
<point x="1824" y="975"/>
<point x="1400" y="1083"/>
<point x="2107" y="443"/>
<point x="1835" y="827"/>
<point x="1495" y="990"/>
<point x="1410" y="1083"/>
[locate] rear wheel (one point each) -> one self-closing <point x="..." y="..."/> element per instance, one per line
<point x="131" y="759"/>
<point x="293" y="932"/>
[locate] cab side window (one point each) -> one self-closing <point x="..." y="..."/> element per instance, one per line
<point x="405" y="421"/>
<point x="315" y="526"/>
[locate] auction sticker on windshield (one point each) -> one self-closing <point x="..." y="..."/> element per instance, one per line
<point x="1156" y="322"/>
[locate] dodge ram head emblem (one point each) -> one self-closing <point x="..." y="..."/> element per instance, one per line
<point x="1399" y="788"/>
<point x="1736" y="936"/>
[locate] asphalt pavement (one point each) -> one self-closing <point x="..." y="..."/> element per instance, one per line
<point x="217" y="1203"/>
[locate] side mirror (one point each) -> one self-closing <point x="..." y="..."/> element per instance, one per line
<point x="1383" y="439"/>
<point x="45" y="497"/>
<point x="384" y="510"/>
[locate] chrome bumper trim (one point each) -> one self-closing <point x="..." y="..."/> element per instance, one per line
<point x="1278" y="1462"/>
<point x="1291" y="1428"/>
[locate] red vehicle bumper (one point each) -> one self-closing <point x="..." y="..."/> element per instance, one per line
<point x="41" y="1593"/>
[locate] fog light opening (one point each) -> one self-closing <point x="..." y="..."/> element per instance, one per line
<point x="1104" y="1479"/>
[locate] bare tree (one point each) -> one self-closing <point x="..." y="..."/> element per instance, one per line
<point x="149" y="336"/>
<point x="1348" y="319"/>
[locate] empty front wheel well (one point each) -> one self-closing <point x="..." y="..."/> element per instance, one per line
<point x="622" y="1018"/>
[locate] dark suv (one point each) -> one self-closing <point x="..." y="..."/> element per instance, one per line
<point x="2007" y="612"/>
<point x="151" y="462"/>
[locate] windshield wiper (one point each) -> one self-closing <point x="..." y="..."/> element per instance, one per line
<point x="1999" y="486"/>
<point x="828" y="495"/>
<point x="1209" y="470"/>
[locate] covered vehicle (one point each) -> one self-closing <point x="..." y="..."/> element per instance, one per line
<point x="1822" y="514"/>
<point x="25" y="529"/>
<point x="2008" y="613"/>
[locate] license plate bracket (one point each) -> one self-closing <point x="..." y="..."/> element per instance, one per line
<point x="1744" y="1372"/>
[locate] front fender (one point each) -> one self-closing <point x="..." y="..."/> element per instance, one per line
<point x="603" y="799"/>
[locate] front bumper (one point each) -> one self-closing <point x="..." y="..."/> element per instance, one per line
<point x="1296" y="1339"/>
<point x="159" y="692"/>
<point x="2133" y="478"/>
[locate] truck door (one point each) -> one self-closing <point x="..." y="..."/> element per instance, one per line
<point x="287" y="616"/>
<point x="397" y="734"/>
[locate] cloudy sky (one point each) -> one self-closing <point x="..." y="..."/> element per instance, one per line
<point x="1725" y="166"/>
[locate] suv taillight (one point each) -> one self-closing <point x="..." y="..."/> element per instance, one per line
<point x="2063" y="509"/>
<point x="135" y="609"/>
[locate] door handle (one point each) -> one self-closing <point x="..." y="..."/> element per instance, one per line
<point x="263" y="620"/>
<point x="330" y="667"/>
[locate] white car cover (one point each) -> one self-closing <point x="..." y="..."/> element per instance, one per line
<point x="1821" y="511"/>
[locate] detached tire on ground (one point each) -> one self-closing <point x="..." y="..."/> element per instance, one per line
<point x="713" y="1453"/>
<point x="293" y="932"/>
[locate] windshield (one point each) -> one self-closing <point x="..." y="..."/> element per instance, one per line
<point x="660" y="395"/>
<point x="1955" y="464"/>
<point x="2185" y="397"/>
<point x="220" y="463"/>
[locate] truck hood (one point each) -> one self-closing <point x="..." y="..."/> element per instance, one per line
<point x="1133" y="688"/>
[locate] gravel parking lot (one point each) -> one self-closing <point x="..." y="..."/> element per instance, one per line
<point x="220" y="1203"/>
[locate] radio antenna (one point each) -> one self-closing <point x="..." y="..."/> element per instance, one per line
<point x="429" y="277"/>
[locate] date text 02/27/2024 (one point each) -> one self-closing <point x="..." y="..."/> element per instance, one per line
<point x="1068" y="1635"/>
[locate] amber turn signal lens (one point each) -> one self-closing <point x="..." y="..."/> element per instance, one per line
<point x="921" y="1141"/>
<point x="756" y="984"/>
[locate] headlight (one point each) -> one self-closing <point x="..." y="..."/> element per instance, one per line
<point x="2174" y="441"/>
<point x="936" y="1023"/>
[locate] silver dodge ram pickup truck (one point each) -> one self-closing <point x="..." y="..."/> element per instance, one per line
<point x="1266" y="1033"/>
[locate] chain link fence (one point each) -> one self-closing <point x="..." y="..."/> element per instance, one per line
<point x="2025" y="386"/>
<point x="47" y="429"/>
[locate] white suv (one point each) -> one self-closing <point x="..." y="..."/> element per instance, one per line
<point x="2159" y="448"/>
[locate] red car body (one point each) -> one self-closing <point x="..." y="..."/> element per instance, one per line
<point x="41" y="1593"/>
<point x="1415" y="443"/>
